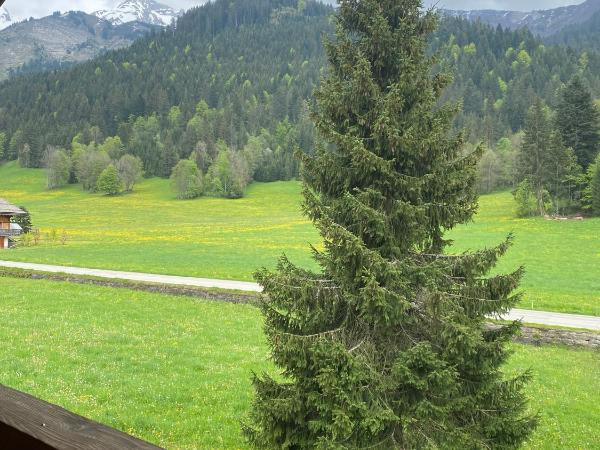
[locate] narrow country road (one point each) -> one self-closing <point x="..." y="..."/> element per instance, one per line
<point x="527" y="316"/>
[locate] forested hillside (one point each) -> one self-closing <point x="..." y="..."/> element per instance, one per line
<point x="584" y="36"/>
<point x="232" y="71"/>
<point x="252" y="62"/>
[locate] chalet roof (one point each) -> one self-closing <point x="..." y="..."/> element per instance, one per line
<point x="9" y="210"/>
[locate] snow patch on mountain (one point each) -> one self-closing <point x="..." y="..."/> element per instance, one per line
<point x="5" y="18"/>
<point x="146" y="11"/>
<point x="540" y="22"/>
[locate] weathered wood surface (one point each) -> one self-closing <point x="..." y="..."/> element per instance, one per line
<point x="29" y="423"/>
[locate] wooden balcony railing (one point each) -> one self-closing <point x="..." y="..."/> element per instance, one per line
<point x="29" y="423"/>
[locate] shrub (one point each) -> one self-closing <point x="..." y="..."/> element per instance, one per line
<point x="109" y="181"/>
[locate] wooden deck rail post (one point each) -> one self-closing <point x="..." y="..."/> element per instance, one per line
<point x="28" y="423"/>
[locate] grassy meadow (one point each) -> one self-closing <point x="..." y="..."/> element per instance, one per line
<point x="176" y="371"/>
<point x="149" y="231"/>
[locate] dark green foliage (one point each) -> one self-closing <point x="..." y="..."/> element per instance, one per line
<point x="109" y="181"/>
<point x="24" y="221"/>
<point x="580" y="36"/>
<point x="388" y="346"/>
<point x="3" y="146"/>
<point x="546" y="166"/>
<point x="534" y="160"/>
<point x="578" y="121"/>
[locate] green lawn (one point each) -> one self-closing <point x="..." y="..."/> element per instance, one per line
<point x="176" y="371"/>
<point x="150" y="231"/>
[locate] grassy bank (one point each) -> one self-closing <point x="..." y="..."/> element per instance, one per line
<point x="149" y="231"/>
<point x="176" y="371"/>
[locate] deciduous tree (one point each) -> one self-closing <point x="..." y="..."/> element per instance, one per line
<point x="58" y="169"/>
<point x="186" y="180"/>
<point x="130" y="171"/>
<point x="109" y="181"/>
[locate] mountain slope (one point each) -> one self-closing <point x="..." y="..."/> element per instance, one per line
<point x="583" y="36"/>
<point x="254" y="62"/>
<point x="146" y="11"/>
<point x="5" y="18"/>
<point x="58" y="39"/>
<point x="541" y="22"/>
<point x="230" y="69"/>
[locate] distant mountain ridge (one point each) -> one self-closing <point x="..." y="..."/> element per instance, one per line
<point x="146" y="11"/>
<point x="67" y="38"/>
<point x="541" y="22"/>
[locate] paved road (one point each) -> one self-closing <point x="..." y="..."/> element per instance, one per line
<point x="527" y="316"/>
<point x="135" y="276"/>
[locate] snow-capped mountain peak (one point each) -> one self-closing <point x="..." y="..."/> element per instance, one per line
<point x="540" y="22"/>
<point x="147" y="11"/>
<point x="5" y="19"/>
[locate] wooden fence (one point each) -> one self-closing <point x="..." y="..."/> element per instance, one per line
<point x="29" y="423"/>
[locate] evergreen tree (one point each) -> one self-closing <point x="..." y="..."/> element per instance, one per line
<point x="24" y="220"/>
<point x="534" y="161"/>
<point x="2" y="146"/>
<point x="594" y="187"/>
<point x="109" y="181"/>
<point x="388" y="346"/>
<point x="578" y="122"/>
<point x="563" y="167"/>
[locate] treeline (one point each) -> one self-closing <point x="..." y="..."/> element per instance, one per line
<point x="553" y="165"/>
<point x="113" y="164"/>
<point x="231" y="72"/>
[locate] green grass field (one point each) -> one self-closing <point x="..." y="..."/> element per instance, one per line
<point x="150" y="231"/>
<point x="176" y="371"/>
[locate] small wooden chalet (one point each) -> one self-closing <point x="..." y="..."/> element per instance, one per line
<point x="8" y="228"/>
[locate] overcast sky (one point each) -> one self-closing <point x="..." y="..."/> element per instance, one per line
<point x="21" y="9"/>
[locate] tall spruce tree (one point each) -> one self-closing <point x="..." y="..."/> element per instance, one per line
<point x="578" y="121"/>
<point x="387" y="346"/>
<point x="535" y="159"/>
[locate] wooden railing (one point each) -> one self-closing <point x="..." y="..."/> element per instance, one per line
<point x="29" y="423"/>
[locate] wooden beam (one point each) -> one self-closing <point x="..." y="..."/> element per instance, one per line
<point x="30" y="423"/>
